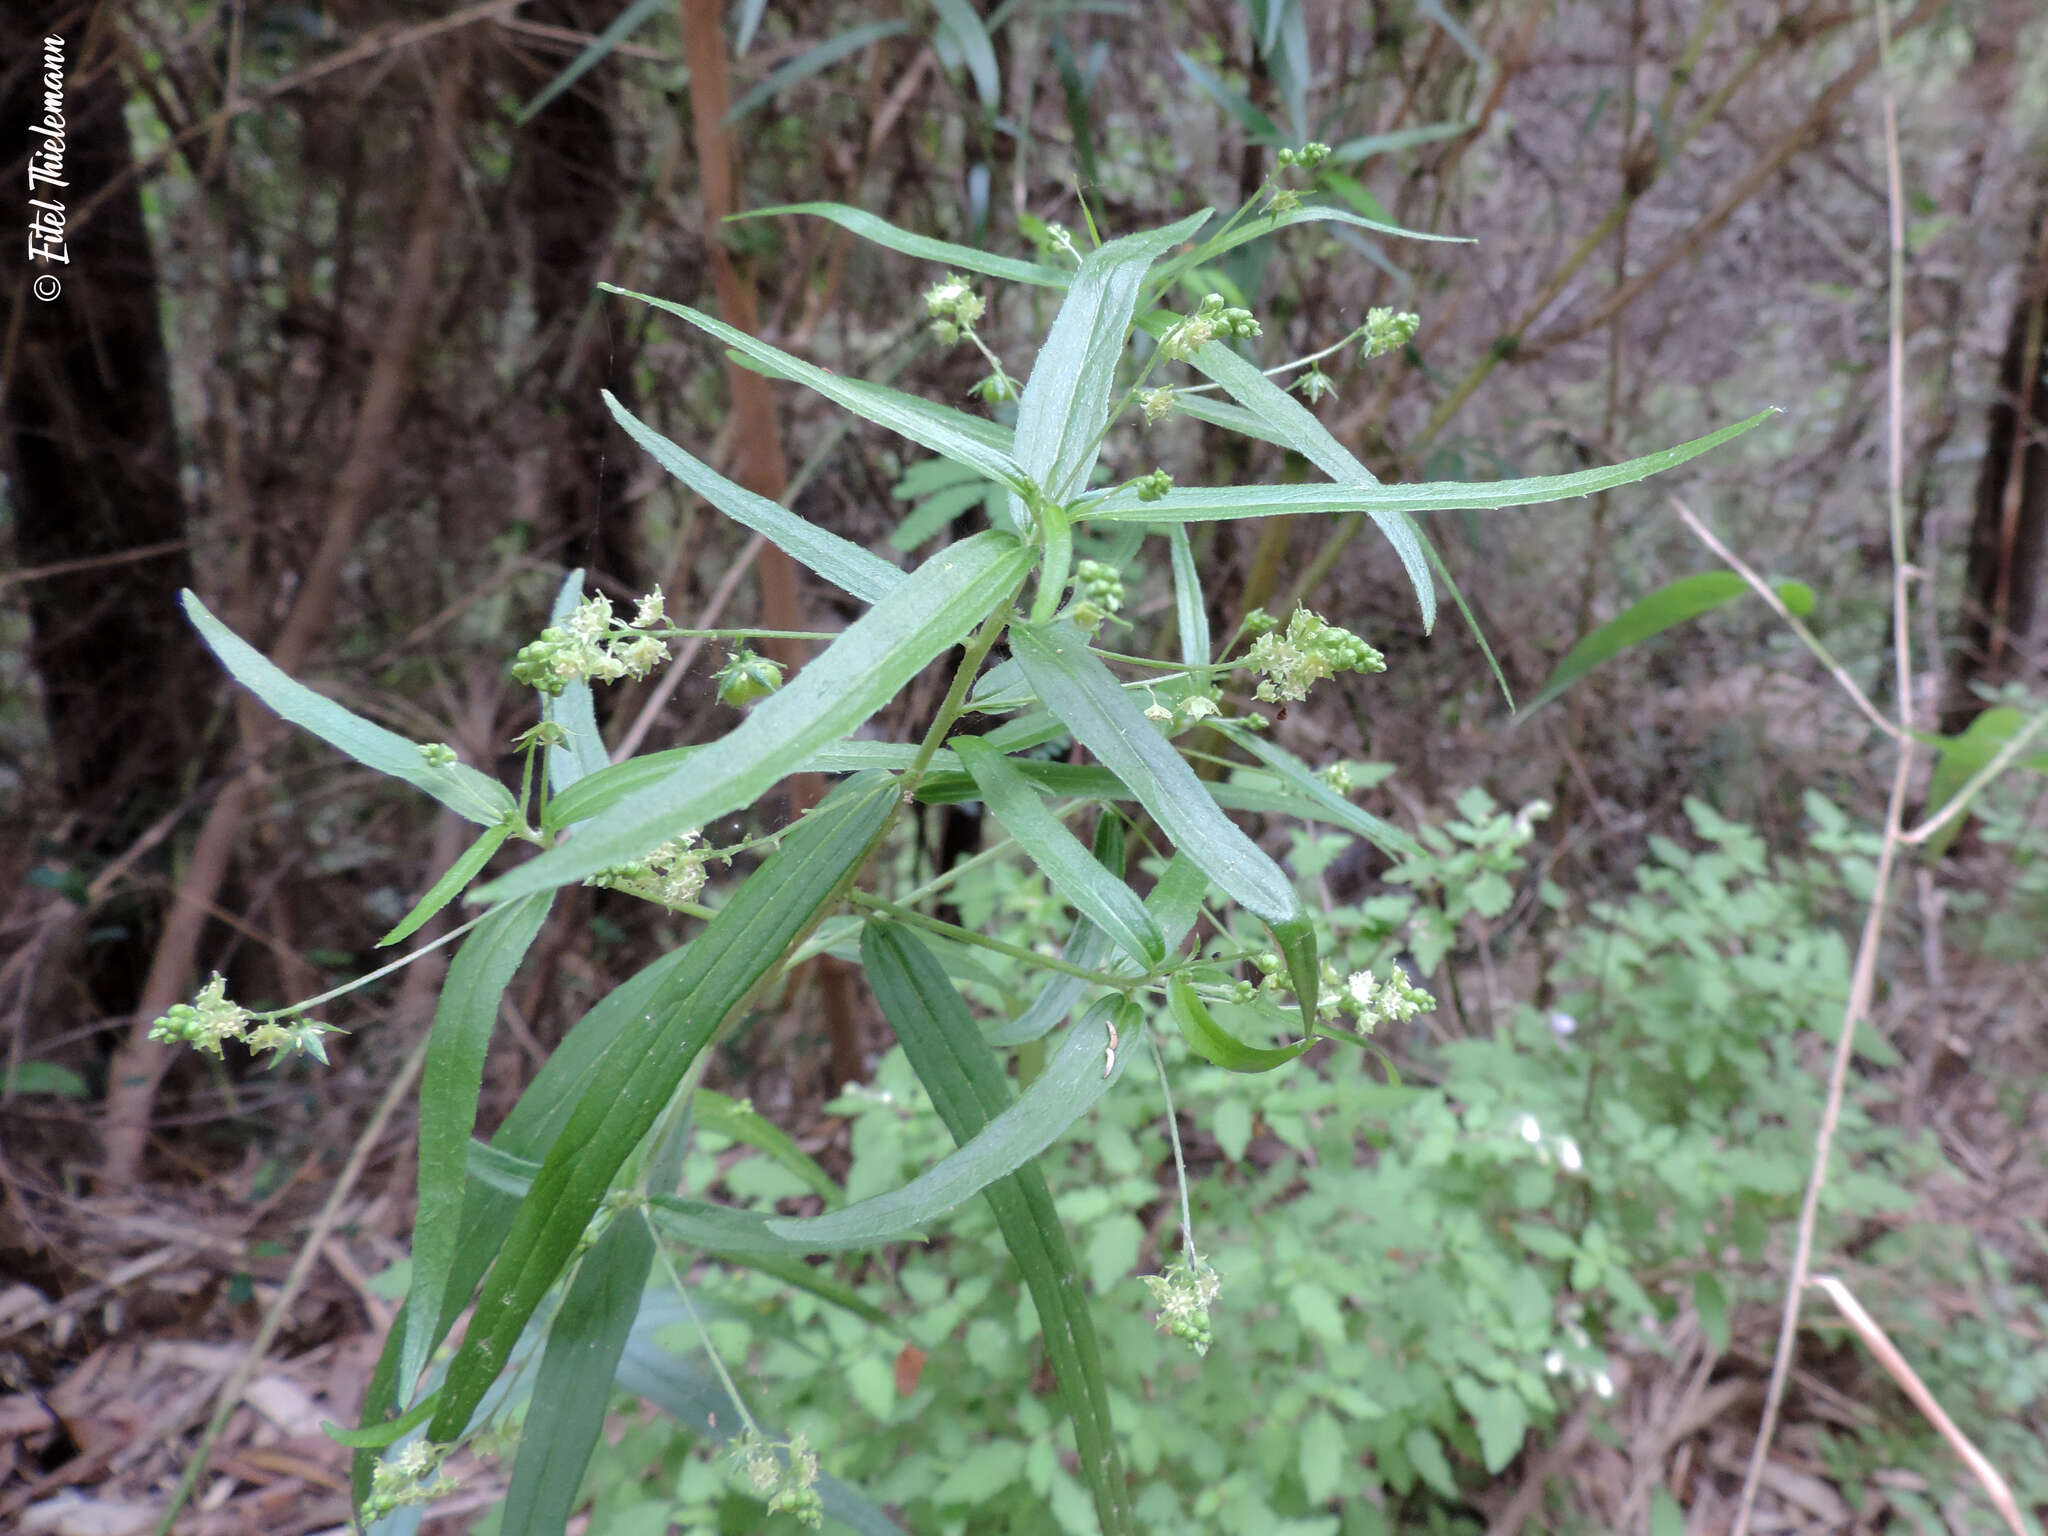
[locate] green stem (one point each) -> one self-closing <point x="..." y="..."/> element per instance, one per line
<point x="956" y="695"/>
<point x="903" y="914"/>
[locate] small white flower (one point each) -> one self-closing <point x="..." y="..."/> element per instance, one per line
<point x="1529" y="1130"/>
<point x="1603" y="1384"/>
<point x="1553" y="1363"/>
<point x="1160" y="713"/>
<point x="1562" y="1024"/>
<point x="1568" y="1154"/>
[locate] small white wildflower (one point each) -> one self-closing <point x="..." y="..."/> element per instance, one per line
<point x="1553" y="1363"/>
<point x="1528" y="816"/>
<point x="1603" y="1384"/>
<point x="1568" y="1154"/>
<point x="1562" y="1024"/>
<point x="1184" y="1294"/>
<point x="1160" y="713"/>
<point x="1197" y="706"/>
<point x="1529" y="1130"/>
<point x="648" y="611"/>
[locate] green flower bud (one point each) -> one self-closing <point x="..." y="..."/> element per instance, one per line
<point x="746" y="677"/>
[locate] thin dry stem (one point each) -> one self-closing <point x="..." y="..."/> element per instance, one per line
<point x="1888" y="1356"/>
<point x="1863" y="980"/>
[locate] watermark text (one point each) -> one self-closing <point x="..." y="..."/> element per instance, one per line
<point x="46" y="242"/>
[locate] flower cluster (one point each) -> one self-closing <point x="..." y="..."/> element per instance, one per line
<point x="1573" y="1366"/>
<point x="438" y="754"/>
<point x="1098" y="592"/>
<point x="954" y="307"/>
<point x="1395" y="1000"/>
<point x="1156" y="403"/>
<point x="1184" y="1295"/>
<point x="1310" y="650"/>
<point x="1056" y="240"/>
<point x="1153" y="486"/>
<point x="669" y="876"/>
<point x="1306" y="158"/>
<point x="1196" y="706"/>
<point x="746" y="677"/>
<point x="592" y="646"/>
<point x="1386" y="330"/>
<point x="411" y="1475"/>
<point x="789" y="1486"/>
<point x="1214" y="318"/>
<point x="213" y="1017"/>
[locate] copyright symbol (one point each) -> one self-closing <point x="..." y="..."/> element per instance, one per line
<point x="47" y="287"/>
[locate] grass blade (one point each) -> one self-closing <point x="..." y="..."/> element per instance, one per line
<point x="964" y="258"/>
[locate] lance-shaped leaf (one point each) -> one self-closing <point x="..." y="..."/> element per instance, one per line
<point x="1087" y="946"/>
<point x="965" y="257"/>
<point x="627" y="1088"/>
<point x="1066" y="400"/>
<point x="468" y="793"/>
<point x="1191" y="612"/>
<point x="1213" y="503"/>
<point x="449" y="1084"/>
<point x="572" y="709"/>
<point x="1213" y="1043"/>
<point x="840" y="561"/>
<point x="444" y="890"/>
<point x="1080" y="1072"/>
<point x="968" y="1090"/>
<point x="954" y="434"/>
<point x="1097" y="894"/>
<point x="1075" y="685"/>
<point x="1300" y="430"/>
<point x="1258" y="226"/>
<point x="1293" y="772"/>
<point x="1671" y="604"/>
<point x="574" y="1386"/>
<point x="867" y="666"/>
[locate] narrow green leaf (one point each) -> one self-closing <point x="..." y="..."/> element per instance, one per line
<point x="453" y="1075"/>
<point x="471" y="795"/>
<point x="572" y="709"/>
<point x="1671" y="604"/>
<point x="44" y="1077"/>
<point x="1960" y="758"/>
<point x="945" y="431"/>
<point x="1087" y="945"/>
<point x="812" y="61"/>
<point x="1440" y="13"/>
<point x="1364" y="147"/>
<point x="1066" y="400"/>
<point x="1191" y="610"/>
<point x="573" y="1388"/>
<point x="1259" y="226"/>
<point x="604" y="789"/>
<point x="969" y="1092"/>
<point x="595" y="52"/>
<point x="1174" y="904"/>
<point x="865" y="668"/>
<point x="375" y="1436"/>
<point x="627" y="1087"/>
<point x="1068" y="1088"/>
<point x="1258" y="127"/>
<point x="1083" y="693"/>
<point x="1094" y="892"/>
<point x="1212" y="503"/>
<point x="1383" y="835"/>
<point x="1213" y="1043"/>
<point x="840" y="561"/>
<point x="963" y="257"/>
<point x="965" y="28"/>
<point x="742" y="1122"/>
<point x="450" y="885"/>
<point x="1312" y="440"/>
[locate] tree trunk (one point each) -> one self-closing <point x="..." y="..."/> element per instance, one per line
<point x="2000" y="639"/>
